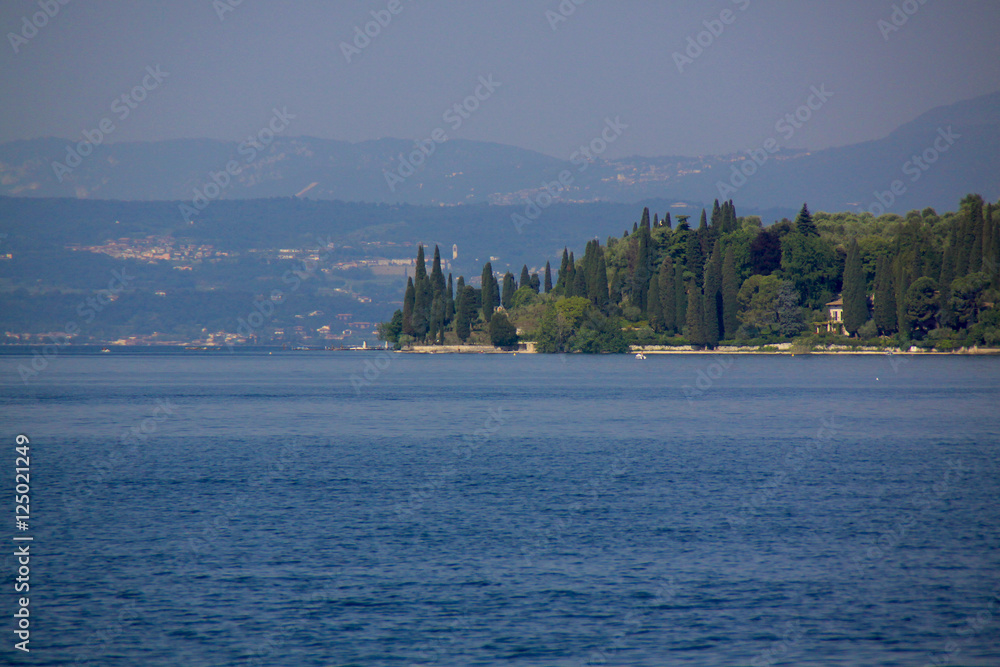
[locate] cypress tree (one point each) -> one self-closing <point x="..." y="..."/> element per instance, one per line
<point x="666" y="221"/>
<point x="437" y="277"/>
<point x="703" y="223"/>
<point x="548" y="278"/>
<point x="654" y="308"/>
<point x="635" y="227"/>
<point x="641" y="275"/>
<point x="603" y="297"/>
<point x="804" y="223"/>
<point x="562" y="280"/>
<point x="436" y="323"/>
<point x="855" y="292"/>
<point x="656" y="220"/>
<point x="976" y="224"/>
<point x="716" y="214"/>
<point x="695" y="316"/>
<point x="730" y="291"/>
<point x="580" y="283"/>
<point x="508" y="290"/>
<point x="946" y="316"/>
<point x="422" y="301"/>
<point x="644" y="222"/>
<point x="680" y="298"/>
<point x="668" y="306"/>
<point x="695" y="261"/>
<point x="463" y="315"/>
<point x="535" y="283"/>
<point x="712" y="297"/>
<point x="525" y="279"/>
<point x="489" y="299"/>
<point x="449" y="301"/>
<point x="571" y="276"/>
<point x="901" y="283"/>
<point x="885" y="298"/>
<point x="420" y="273"/>
<point x="408" y="299"/>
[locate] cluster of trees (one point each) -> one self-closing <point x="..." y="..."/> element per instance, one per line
<point x="921" y="277"/>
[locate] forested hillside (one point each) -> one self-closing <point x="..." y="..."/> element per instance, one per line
<point x="925" y="279"/>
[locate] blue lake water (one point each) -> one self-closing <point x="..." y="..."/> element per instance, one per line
<point x="385" y="509"/>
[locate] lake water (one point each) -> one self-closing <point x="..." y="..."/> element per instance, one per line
<point x="385" y="509"/>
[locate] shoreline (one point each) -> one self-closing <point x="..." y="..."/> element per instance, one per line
<point x="777" y="349"/>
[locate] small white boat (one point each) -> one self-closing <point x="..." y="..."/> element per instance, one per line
<point x="640" y="355"/>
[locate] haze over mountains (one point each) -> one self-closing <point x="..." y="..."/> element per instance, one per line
<point x="933" y="160"/>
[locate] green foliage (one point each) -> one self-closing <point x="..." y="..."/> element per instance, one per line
<point x="502" y="332"/>
<point x="855" y="292"/>
<point x="810" y="264"/>
<point x="391" y="330"/>
<point x="921" y="306"/>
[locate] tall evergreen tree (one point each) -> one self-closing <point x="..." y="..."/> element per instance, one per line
<point x="571" y="276"/>
<point x="885" y="298"/>
<point x="716" y="220"/>
<point x="804" y="223"/>
<point x="668" y="298"/>
<point x="535" y="283"/>
<point x="420" y="273"/>
<point x="645" y="218"/>
<point x="654" y="309"/>
<point x="680" y="297"/>
<point x="463" y="314"/>
<point x="696" y="316"/>
<point x="656" y="221"/>
<point x="695" y="260"/>
<point x="712" y="297"/>
<point x="855" y="294"/>
<point x="509" y="287"/>
<point x="563" y="282"/>
<point x="946" y="317"/>
<point x="602" y="298"/>
<point x="548" y="278"/>
<point x="703" y="223"/>
<point x="730" y="292"/>
<point x="525" y="279"/>
<point x="422" y="308"/>
<point x="489" y="299"/>
<point x="408" y="299"/>
<point x="437" y="276"/>
<point x="666" y="221"/>
<point x="449" y="301"/>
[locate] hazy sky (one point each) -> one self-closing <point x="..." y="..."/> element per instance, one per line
<point x="558" y="81"/>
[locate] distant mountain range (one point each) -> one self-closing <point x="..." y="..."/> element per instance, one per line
<point x="934" y="160"/>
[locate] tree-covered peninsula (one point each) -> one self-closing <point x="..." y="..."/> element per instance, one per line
<point x="921" y="279"/>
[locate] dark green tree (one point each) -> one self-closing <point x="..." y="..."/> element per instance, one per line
<point x="654" y="309"/>
<point x="535" y="283"/>
<point x="490" y="302"/>
<point x="668" y="298"/>
<point x="712" y="297"/>
<point x="548" y="278"/>
<point x="464" y="312"/>
<point x="921" y="306"/>
<point x="408" y="299"/>
<point x="502" y="332"/>
<point x="730" y="292"/>
<point x="855" y="293"/>
<point x="696" y="316"/>
<point x="804" y="223"/>
<point x="525" y="279"/>
<point x="437" y="276"/>
<point x="449" y="301"/>
<point x="644" y="222"/>
<point x="509" y="288"/>
<point x="885" y="298"/>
